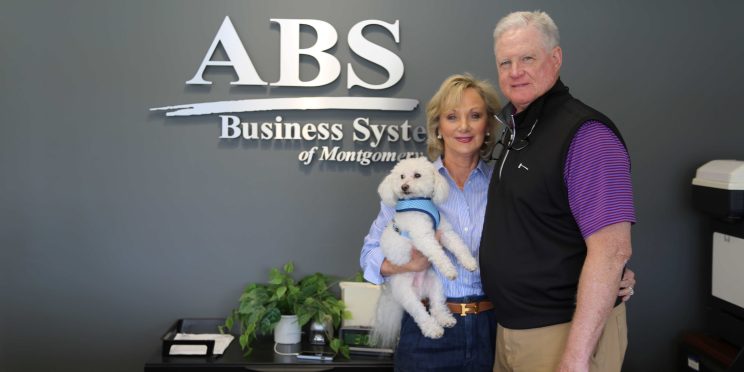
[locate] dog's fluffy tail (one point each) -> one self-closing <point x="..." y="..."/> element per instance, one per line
<point x="387" y="321"/>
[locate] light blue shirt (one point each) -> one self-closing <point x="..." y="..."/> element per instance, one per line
<point x="464" y="210"/>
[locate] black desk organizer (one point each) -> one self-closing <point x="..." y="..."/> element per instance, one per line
<point x="203" y="325"/>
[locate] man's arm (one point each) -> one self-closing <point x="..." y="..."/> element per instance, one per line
<point x="608" y="250"/>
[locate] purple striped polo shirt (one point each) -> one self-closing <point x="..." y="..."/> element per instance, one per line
<point x="597" y="175"/>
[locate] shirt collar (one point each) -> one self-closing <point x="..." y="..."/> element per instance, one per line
<point x="481" y="168"/>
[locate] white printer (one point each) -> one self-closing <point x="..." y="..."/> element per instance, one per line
<point x="718" y="188"/>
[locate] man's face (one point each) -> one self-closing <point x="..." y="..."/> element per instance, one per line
<point x="526" y="69"/>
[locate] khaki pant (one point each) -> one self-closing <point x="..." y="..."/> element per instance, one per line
<point x="541" y="349"/>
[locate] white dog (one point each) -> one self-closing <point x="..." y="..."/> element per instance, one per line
<point x="413" y="187"/>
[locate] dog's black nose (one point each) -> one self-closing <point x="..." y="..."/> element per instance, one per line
<point x="404" y="188"/>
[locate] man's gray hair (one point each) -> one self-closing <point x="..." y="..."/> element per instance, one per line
<point x="540" y="20"/>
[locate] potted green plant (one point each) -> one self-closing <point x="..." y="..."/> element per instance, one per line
<point x="261" y="306"/>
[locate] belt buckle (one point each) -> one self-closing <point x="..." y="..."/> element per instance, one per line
<point x="465" y="307"/>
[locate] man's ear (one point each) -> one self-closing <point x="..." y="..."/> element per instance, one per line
<point x="556" y="56"/>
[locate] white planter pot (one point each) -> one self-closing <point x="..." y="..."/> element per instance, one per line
<point x="287" y="331"/>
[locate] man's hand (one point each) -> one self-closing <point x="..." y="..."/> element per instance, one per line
<point x="627" y="284"/>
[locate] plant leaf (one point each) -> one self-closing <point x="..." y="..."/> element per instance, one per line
<point x="338" y="346"/>
<point x="347" y="314"/>
<point x="345" y="351"/>
<point x="275" y="277"/>
<point x="303" y="318"/>
<point x="229" y="322"/>
<point x="335" y="344"/>
<point x="358" y="277"/>
<point x="243" y="340"/>
<point x="281" y="291"/>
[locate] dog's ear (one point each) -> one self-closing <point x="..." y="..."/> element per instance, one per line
<point x="387" y="194"/>
<point x="441" y="188"/>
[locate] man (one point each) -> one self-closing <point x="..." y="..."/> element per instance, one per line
<point x="556" y="235"/>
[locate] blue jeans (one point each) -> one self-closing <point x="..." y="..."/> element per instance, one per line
<point x="468" y="346"/>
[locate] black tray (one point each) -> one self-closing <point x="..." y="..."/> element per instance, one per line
<point x="197" y="325"/>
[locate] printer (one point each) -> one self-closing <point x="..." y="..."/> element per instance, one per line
<point x="718" y="191"/>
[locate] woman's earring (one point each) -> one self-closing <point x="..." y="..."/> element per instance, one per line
<point x="439" y="135"/>
<point x="488" y="134"/>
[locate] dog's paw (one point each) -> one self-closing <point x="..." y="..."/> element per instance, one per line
<point x="469" y="263"/>
<point x="431" y="329"/>
<point x="446" y="320"/>
<point x="450" y="274"/>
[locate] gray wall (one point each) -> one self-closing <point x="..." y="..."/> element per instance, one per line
<point x="115" y="221"/>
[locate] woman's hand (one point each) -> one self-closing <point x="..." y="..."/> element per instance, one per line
<point x="626" y="285"/>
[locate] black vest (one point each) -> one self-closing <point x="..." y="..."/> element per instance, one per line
<point x="532" y="251"/>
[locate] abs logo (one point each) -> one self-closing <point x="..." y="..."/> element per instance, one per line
<point x="237" y="58"/>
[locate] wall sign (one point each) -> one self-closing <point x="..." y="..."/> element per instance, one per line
<point x="363" y="129"/>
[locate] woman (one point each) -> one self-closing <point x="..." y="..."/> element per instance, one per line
<point x="461" y="129"/>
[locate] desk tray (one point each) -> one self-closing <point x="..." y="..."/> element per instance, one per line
<point x="197" y="325"/>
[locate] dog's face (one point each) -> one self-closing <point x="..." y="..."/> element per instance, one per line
<point x="413" y="178"/>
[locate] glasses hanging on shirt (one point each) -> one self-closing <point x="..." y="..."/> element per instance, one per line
<point x="509" y="135"/>
<point x="508" y="139"/>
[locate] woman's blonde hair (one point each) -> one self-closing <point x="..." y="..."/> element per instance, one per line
<point x="449" y="96"/>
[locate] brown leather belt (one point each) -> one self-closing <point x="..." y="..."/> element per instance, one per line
<point x="466" y="308"/>
<point x="470" y="307"/>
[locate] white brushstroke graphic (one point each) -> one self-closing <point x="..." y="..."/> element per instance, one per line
<point x="300" y="103"/>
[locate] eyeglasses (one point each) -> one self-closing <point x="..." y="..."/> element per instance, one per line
<point x="510" y="131"/>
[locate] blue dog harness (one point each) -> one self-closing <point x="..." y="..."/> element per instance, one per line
<point x="424" y="205"/>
